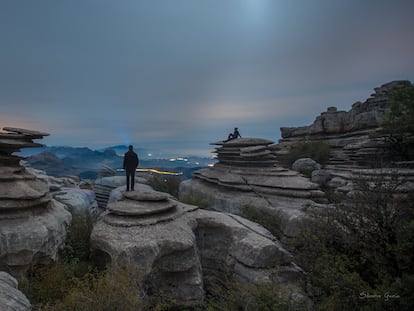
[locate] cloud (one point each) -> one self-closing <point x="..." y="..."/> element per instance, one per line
<point x="184" y="73"/>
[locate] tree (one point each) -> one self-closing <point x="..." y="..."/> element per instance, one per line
<point x="399" y="121"/>
<point x="362" y="244"/>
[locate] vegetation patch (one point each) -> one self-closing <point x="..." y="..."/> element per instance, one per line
<point x="169" y="184"/>
<point x="356" y="254"/>
<point x="317" y="151"/>
<point x="251" y="297"/>
<point x="197" y="200"/>
<point x="271" y="221"/>
<point x="399" y="123"/>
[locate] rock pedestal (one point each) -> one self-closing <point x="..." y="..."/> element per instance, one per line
<point x="245" y="152"/>
<point x="32" y="225"/>
<point x="238" y="181"/>
<point x="177" y="245"/>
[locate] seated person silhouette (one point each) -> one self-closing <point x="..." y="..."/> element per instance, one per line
<point x="234" y="135"/>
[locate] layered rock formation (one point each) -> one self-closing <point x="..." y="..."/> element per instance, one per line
<point x="355" y="136"/>
<point x="247" y="175"/>
<point x="104" y="185"/>
<point x="32" y="225"/>
<point x="176" y="245"/>
<point x="252" y="152"/>
<point x="11" y="299"/>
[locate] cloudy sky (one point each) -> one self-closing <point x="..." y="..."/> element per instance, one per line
<point x="175" y="75"/>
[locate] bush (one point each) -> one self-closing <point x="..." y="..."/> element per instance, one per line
<point x="399" y="122"/>
<point x="169" y="184"/>
<point x="114" y="289"/>
<point x="195" y="200"/>
<point x="252" y="297"/>
<point x="361" y="247"/>
<point x="317" y="151"/>
<point x="270" y="221"/>
<point x="77" y="246"/>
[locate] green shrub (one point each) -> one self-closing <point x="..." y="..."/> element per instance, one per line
<point x="77" y="246"/>
<point x="271" y="221"/>
<point x="113" y="289"/>
<point x="252" y="297"/>
<point x="317" y="151"/>
<point x="398" y="122"/>
<point x="197" y="200"/>
<point x="48" y="284"/>
<point x="362" y="246"/>
<point x="169" y="184"/>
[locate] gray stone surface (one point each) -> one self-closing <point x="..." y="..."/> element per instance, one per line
<point x="305" y="165"/>
<point x="104" y="186"/>
<point x="245" y="151"/>
<point x="55" y="183"/>
<point x="146" y="196"/>
<point x="321" y="177"/>
<point x="231" y="187"/>
<point x="77" y="199"/>
<point x="11" y="299"/>
<point x="118" y="193"/>
<point x="356" y="137"/>
<point x="33" y="237"/>
<point x="32" y="225"/>
<point x="177" y="249"/>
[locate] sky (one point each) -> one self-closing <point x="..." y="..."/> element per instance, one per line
<point x="177" y="75"/>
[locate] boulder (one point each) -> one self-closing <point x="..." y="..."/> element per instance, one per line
<point x="77" y="199"/>
<point x="321" y="177"/>
<point x="32" y="224"/>
<point x="305" y="165"/>
<point x="32" y="238"/>
<point x="176" y="246"/>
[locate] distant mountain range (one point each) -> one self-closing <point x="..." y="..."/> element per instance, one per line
<point x="86" y="163"/>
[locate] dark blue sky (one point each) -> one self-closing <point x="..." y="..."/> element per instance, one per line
<point x="176" y="75"/>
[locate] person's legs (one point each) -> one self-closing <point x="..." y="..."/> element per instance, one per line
<point x="128" y="174"/>
<point x="132" y="180"/>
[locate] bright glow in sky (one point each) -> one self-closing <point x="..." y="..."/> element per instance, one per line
<point x="176" y="75"/>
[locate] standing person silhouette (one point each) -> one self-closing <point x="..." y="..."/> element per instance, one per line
<point x="131" y="162"/>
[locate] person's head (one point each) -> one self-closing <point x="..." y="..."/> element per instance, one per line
<point x="130" y="148"/>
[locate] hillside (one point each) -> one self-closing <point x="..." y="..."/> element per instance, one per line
<point x="86" y="163"/>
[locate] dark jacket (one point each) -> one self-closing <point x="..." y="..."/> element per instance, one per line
<point x="131" y="160"/>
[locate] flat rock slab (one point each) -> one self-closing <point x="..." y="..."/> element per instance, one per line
<point x="247" y="142"/>
<point x="244" y="142"/>
<point x="25" y="132"/>
<point x="140" y="208"/>
<point x="145" y="196"/>
<point x="128" y="221"/>
<point x="13" y="143"/>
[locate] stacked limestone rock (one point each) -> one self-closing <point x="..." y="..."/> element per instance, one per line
<point x="359" y="146"/>
<point x="245" y="152"/>
<point x="355" y="136"/>
<point x="238" y="182"/>
<point x="249" y="164"/>
<point x="32" y="225"/>
<point x="176" y="245"/>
